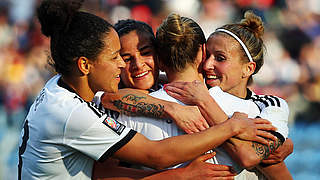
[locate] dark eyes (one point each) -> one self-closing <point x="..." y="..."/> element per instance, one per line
<point x="127" y="59"/>
<point x="217" y="57"/>
<point x="220" y="58"/>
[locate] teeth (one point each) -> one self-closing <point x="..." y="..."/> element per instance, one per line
<point x="212" y="76"/>
<point x="142" y="74"/>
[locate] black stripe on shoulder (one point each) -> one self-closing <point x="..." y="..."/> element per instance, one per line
<point x="259" y="99"/>
<point x="270" y="100"/>
<point x="95" y="109"/>
<point x="276" y="99"/>
<point x="118" y="145"/>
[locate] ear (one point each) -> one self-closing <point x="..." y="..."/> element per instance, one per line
<point x="204" y="52"/>
<point x="248" y="69"/>
<point x="84" y="65"/>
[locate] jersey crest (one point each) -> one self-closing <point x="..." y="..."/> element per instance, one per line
<point x="114" y="125"/>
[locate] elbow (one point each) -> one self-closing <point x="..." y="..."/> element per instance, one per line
<point x="160" y="162"/>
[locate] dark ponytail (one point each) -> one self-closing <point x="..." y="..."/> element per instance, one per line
<point x="72" y="33"/>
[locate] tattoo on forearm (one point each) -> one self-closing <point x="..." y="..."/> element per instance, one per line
<point x="134" y="106"/>
<point x="133" y="98"/>
<point x="263" y="151"/>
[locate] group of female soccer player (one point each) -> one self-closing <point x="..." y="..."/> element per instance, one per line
<point x="66" y="133"/>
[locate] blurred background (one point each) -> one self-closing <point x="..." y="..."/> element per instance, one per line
<point x="291" y="69"/>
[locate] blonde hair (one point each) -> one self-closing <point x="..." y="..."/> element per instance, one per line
<point x="178" y="40"/>
<point x="250" y="31"/>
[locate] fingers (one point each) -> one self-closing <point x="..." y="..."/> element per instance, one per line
<point x="261" y="121"/>
<point x="206" y="156"/>
<point x="173" y="94"/>
<point x="190" y="130"/>
<point x="266" y="134"/>
<point x="219" y="170"/>
<point x="202" y="125"/>
<point x="261" y="140"/>
<point x="222" y="178"/>
<point x="174" y="86"/>
<point x="196" y="127"/>
<point x="205" y="124"/>
<point x="270" y="161"/>
<point x="266" y="127"/>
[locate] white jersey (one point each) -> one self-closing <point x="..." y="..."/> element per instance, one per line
<point x="276" y="110"/>
<point x="157" y="129"/>
<point x="269" y="107"/>
<point x="63" y="135"/>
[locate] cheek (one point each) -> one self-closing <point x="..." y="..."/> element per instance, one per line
<point x="125" y="76"/>
<point x="149" y="61"/>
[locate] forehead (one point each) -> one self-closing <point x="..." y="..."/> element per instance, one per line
<point x="223" y="42"/>
<point x="112" y="43"/>
<point x="136" y="39"/>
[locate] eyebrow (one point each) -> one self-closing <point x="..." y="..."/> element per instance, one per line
<point x="125" y="54"/>
<point x="140" y="49"/>
<point x="145" y="47"/>
<point x="116" y="52"/>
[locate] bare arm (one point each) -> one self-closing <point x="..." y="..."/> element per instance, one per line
<point x="246" y="153"/>
<point x="136" y="103"/>
<point x="280" y="154"/>
<point x="178" y="149"/>
<point x="198" y="169"/>
<point x="274" y="167"/>
<point x="277" y="171"/>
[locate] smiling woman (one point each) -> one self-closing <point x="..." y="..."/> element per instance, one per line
<point x="64" y="132"/>
<point x="138" y="52"/>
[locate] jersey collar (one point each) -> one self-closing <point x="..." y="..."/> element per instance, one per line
<point x="62" y="84"/>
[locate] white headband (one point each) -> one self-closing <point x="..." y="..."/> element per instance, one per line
<point x="239" y="40"/>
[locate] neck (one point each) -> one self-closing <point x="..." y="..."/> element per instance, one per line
<point x="80" y="86"/>
<point x="189" y="74"/>
<point x="240" y="91"/>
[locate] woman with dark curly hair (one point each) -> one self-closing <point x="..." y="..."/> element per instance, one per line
<point x="64" y="132"/>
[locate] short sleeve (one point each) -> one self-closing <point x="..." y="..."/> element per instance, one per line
<point x="95" y="134"/>
<point x="277" y="113"/>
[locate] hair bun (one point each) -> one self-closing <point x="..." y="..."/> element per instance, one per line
<point x="175" y="29"/>
<point x="253" y="23"/>
<point x="56" y="15"/>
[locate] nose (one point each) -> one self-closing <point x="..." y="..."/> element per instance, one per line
<point x="121" y="63"/>
<point x="137" y="63"/>
<point x="209" y="63"/>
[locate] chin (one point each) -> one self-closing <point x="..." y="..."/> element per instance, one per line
<point x="144" y="86"/>
<point x="112" y="90"/>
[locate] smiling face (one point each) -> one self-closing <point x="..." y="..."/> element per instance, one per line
<point x="223" y="66"/>
<point x="105" y="72"/>
<point x="137" y="50"/>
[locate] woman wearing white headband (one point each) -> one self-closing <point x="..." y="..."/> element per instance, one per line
<point x="234" y="53"/>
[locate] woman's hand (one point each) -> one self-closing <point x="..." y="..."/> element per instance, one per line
<point x="191" y="93"/>
<point x="281" y="153"/>
<point x="189" y="118"/>
<point x="252" y="129"/>
<point x="198" y="169"/>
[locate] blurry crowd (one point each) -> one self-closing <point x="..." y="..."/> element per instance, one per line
<point x="292" y="59"/>
<point x="292" y="38"/>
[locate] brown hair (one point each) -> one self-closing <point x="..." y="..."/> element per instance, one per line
<point x="250" y="30"/>
<point x="178" y="40"/>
